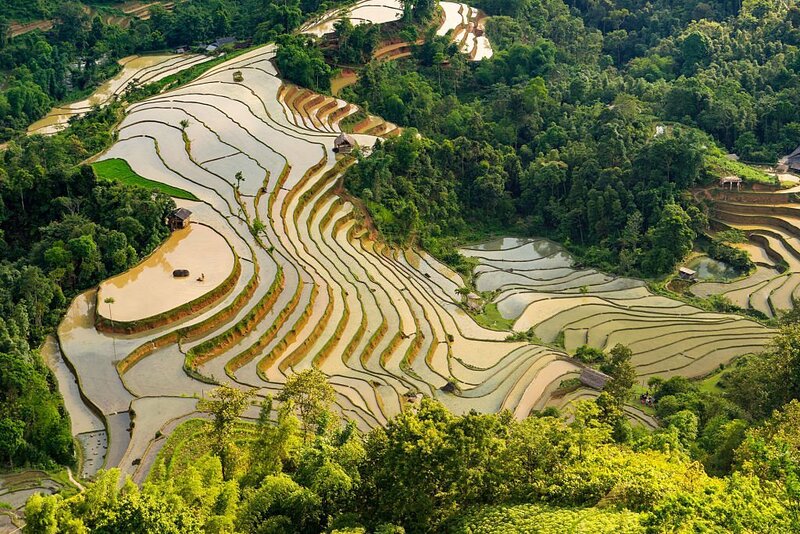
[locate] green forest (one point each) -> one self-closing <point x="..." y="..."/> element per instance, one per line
<point x="431" y="471"/>
<point x="589" y="125"/>
<point x="556" y="134"/>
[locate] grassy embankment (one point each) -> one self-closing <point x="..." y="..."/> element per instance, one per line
<point x="118" y="170"/>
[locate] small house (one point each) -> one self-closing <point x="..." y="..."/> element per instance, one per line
<point x="450" y="387"/>
<point x="238" y="77"/>
<point x="474" y="302"/>
<point x="660" y="130"/>
<point x="793" y="160"/>
<point x="730" y="181"/>
<point x="687" y="274"/>
<point x="223" y="41"/>
<point x="179" y="219"/>
<point x="593" y="378"/>
<point x="344" y="144"/>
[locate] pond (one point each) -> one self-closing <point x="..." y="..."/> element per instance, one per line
<point x="711" y="269"/>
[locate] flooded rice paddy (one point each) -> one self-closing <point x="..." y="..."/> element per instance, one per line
<point x="150" y="288"/>
<point x="317" y="289"/>
<point x="135" y="70"/>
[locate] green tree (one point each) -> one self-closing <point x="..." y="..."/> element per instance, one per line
<point x="310" y="394"/>
<point x="671" y="240"/>
<point x="623" y="376"/>
<point x="225" y="405"/>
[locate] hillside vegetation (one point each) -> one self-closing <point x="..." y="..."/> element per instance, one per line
<point x="588" y="125"/>
<point x="598" y="125"/>
<point x="430" y="471"/>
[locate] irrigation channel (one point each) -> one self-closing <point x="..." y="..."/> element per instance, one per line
<point x="311" y="286"/>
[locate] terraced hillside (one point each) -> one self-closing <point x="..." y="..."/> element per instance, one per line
<point x="314" y="287"/>
<point x="466" y="25"/>
<point x="136" y="70"/>
<point x="534" y="283"/>
<point x="311" y="286"/>
<point x="121" y="14"/>
<point x="772" y="224"/>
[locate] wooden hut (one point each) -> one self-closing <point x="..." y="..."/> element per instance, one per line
<point x="593" y="378"/>
<point x="178" y="219"/>
<point x="344" y="144"/>
<point x="730" y="181"/>
<point x="793" y="160"/>
<point x="450" y="387"/>
<point x="474" y="302"/>
<point x="687" y="274"/>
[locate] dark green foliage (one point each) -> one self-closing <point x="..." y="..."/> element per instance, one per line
<point x="61" y="231"/>
<point x="355" y="44"/>
<point x="623" y="376"/>
<point x="719" y="249"/>
<point x="532" y="158"/>
<point x="301" y="62"/>
<point x="590" y="168"/>
<point x="590" y="355"/>
<point x="764" y="383"/>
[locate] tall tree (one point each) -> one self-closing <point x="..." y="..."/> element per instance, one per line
<point x="310" y="394"/>
<point x="225" y="405"/>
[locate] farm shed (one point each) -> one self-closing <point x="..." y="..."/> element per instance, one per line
<point x="793" y="160"/>
<point x="730" y="181"/>
<point x="686" y="273"/>
<point x="344" y="144"/>
<point x="178" y="219"/>
<point x="594" y="378"/>
<point x="474" y="301"/>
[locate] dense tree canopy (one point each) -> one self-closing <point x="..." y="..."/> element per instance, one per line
<point x="61" y="230"/>
<point x="431" y="471"/>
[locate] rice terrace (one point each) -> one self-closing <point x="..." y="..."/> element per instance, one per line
<point x="305" y="221"/>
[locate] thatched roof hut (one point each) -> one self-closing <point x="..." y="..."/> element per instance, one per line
<point x="594" y="378"/>
<point x="686" y="273"/>
<point x="344" y="144"/>
<point x="180" y="218"/>
<point x="730" y="181"/>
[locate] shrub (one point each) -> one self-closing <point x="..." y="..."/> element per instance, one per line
<point x="590" y="355"/>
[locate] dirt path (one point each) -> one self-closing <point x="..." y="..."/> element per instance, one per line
<point x="74" y="482"/>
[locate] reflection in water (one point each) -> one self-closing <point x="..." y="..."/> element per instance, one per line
<point x="59" y="117"/>
<point x="546" y="247"/>
<point x="711" y="269"/>
<point x="501" y="243"/>
<point x="149" y="288"/>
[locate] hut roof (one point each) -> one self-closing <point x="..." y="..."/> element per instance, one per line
<point x="450" y="387"/>
<point x="345" y="139"/>
<point x="730" y="180"/>
<point x="795" y="154"/>
<point x="473" y="296"/>
<point x="594" y="378"/>
<point x="687" y="271"/>
<point x="182" y="214"/>
<point x="222" y="41"/>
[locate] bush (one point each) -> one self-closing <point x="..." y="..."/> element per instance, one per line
<point x="590" y="355"/>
